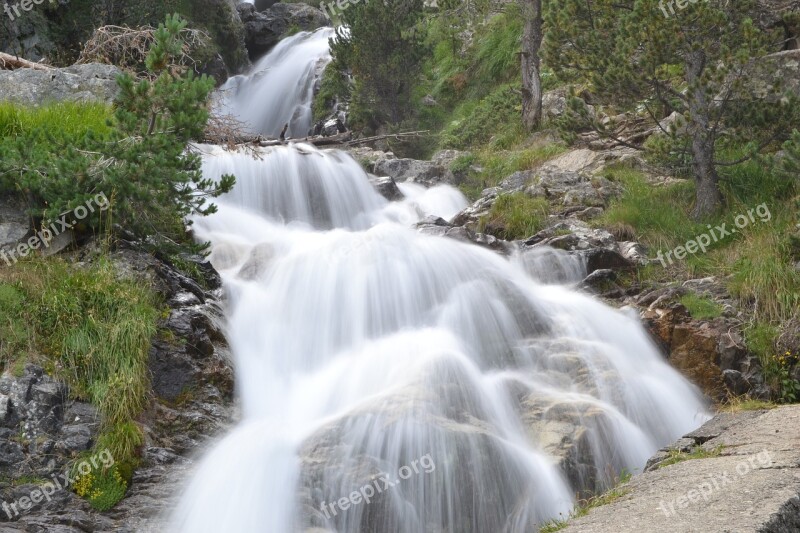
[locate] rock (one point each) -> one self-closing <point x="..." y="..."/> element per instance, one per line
<point x="78" y="83"/>
<point x="387" y="188"/>
<point x="602" y="282"/>
<point x="14" y="223"/>
<point x="262" y="5"/>
<point x="571" y="234"/>
<point x="426" y="173"/>
<point x="554" y="103"/>
<point x="263" y="29"/>
<point x="439" y="227"/>
<point x="752" y="486"/>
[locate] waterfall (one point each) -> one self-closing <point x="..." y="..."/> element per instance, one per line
<point x="279" y="88"/>
<point x="394" y="381"/>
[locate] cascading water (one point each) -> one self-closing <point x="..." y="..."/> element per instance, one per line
<point x="470" y="392"/>
<point x="280" y="87"/>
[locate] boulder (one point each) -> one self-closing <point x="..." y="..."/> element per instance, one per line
<point x="14" y="223"/>
<point x="387" y="188"/>
<point x="427" y="173"/>
<point x="79" y="83"/>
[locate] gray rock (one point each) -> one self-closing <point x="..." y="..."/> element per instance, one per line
<point x="14" y="223"/>
<point x="753" y="486"/>
<point x="78" y="83"/>
<point x="387" y="188"/>
<point x="427" y="173"/>
<point x="263" y="29"/>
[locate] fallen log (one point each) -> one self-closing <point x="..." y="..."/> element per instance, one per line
<point x="9" y="62"/>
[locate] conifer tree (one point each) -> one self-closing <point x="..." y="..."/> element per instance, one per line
<point x="656" y="58"/>
<point x="381" y="47"/>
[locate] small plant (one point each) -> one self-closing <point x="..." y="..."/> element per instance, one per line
<point x="788" y="387"/>
<point x="102" y="487"/>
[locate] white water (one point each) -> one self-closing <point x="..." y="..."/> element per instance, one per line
<point x="279" y="88"/>
<point x="362" y="345"/>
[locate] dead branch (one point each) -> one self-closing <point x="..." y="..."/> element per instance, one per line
<point x="127" y="48"/>
<point x="9" y="62"/>
<point x="388" y="136"/>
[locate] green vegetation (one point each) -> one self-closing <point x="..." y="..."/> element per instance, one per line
<point x="584" y="506"/>
<point x="137" y="160"/>
<point x="383" y="50"/>
<point x="515" y="216"/>
<point x="677" y="456"/>
<point x="91" y="330"/>
<point x="103" y="487"/>
<point x="701" y="308"/>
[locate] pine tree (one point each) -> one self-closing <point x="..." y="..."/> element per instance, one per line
<point x="381" y="47"/>
<point x="144" y="168"/>
<point x="654" y="57"/>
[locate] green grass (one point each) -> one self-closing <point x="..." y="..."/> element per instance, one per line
<point x="90" y="329"/>
<point x="676" y="456"/>
<point x="700" y="307"/>
<point x="660" y="215"/>
<point x="515" y="216"/>
<point x="71" y="120"/>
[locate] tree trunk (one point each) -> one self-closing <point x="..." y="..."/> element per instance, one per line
<point x="531" y="74"/>
<point x="708" y="198"/>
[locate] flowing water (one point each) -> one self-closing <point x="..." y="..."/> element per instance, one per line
<point x="280" y="87"/>
<point x="396" y="381"/>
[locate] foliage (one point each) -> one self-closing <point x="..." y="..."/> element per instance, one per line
<point x="695" y="64"/>
<point x="515" y="216"/>
<point x="103" y="487"/>
<point x="141" y="163"/>
<point x="494" y="118"/>
<point x="383" y="50"/>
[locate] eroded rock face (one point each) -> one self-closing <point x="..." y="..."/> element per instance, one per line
<point x="711" y="353"/>
<point x="79" y="83"/>
<point x="263" y="29"/>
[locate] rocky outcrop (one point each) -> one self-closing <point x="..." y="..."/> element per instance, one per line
<point x="263" y="29"/>
<point x="749" y="482"/>
<point x="712" y="353"/>
<point x="78" y="83"/>
<point x="42" y="428"/>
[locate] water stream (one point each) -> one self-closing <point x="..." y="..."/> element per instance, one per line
<point x="484" y="389"/>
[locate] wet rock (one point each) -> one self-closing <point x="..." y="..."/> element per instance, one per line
<point x="387" y="187"/>
<point x="426" y="173"/>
